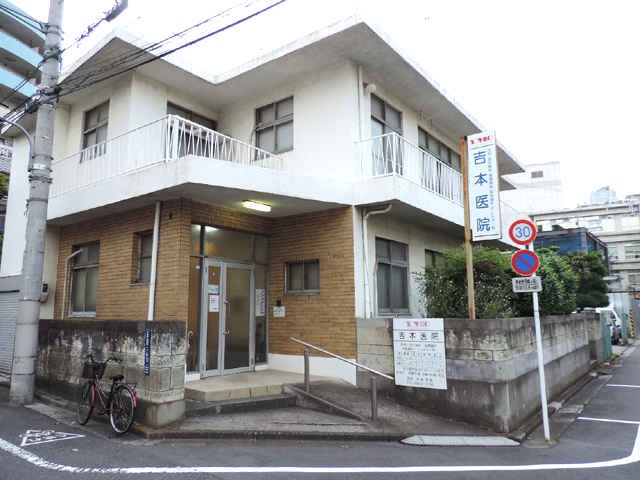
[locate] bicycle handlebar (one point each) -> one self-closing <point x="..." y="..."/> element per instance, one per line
<point x="90" y="357"/>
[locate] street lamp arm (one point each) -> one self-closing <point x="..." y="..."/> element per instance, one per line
<point x="26" y="134"/>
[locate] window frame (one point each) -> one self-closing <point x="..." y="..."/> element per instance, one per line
<point x="392" y="263"/>
<point x="441" y="146"/>
<point x="140" y="239"/>
<point x="383" y="120"/>
<point x="88" y="130"/>
<point x="74" y="268"/>
<point x="274" y="125"/>
<point x="287" y="276"/>
<point x="434" y="256"/>
<point x="192" y="116"/>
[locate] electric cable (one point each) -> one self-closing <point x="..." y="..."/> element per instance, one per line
<point x="18" y="15"/>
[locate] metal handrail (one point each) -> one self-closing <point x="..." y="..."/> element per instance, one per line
<point x="351" y="362"/>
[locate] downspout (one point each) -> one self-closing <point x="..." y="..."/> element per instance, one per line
<point x="360" y="104"/>
<point x="368" y="297"/>
<point x="64" y="287"/>
<point x="154" y="263"/>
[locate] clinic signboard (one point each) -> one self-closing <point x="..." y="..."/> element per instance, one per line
<point x="483" y="185"/>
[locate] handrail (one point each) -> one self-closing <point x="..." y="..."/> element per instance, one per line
<point x="350" y="362"/>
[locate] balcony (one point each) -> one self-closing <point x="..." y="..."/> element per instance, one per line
<point x="166" y="140"/>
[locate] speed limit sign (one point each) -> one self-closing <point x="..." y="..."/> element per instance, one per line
<point x="522" y="232"/>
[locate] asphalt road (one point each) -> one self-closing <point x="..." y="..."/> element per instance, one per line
<point x="102" y="453"/>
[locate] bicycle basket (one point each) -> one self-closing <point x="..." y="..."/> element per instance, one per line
<point x="93" y="369"/>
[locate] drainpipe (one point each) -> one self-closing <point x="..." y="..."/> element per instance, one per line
<point x="154" y="263"/>
<point x="360" y="104"/>
<point x="64" y="286"/>
<point x="368" y="297"/>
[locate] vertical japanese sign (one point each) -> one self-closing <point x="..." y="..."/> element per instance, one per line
<point x="147" y="351"/>
<point x="419" y="353"/>
<point x="484" y="196"/>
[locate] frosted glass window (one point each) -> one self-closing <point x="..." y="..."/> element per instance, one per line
<point x="392" y="276"/>
<point x="303" y="277"/>
<point x="84" y="279"/>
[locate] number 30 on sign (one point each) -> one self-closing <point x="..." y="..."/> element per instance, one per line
<point x="522" y="232"/>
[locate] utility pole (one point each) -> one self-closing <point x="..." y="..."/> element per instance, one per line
<point x="26" y="340"/>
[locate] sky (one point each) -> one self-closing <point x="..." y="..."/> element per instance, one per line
<point x="557" y="80"/>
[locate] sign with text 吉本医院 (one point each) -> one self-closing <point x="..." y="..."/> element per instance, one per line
<point x="483" y="181"/>
<point x="419" y="353"/>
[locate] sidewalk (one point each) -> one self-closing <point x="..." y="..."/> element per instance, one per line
<point x="395" y="421"/>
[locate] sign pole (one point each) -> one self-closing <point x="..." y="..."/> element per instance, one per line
<point x="467" y="228"/>
<point x="543" y="383"/>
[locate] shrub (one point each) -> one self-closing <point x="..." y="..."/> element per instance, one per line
<point x="444" y="286"/>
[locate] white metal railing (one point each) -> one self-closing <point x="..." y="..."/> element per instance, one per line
<point x="392" y="154"/>
<point x="167" y="139"/>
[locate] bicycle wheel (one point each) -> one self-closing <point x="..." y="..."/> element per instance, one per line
<point x="85" y="403"/>
<point x="122" y="408"/>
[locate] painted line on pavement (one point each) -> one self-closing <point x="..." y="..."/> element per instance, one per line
<point x="629" y="422"/>
<point x="624" y="386"/>
<point x="34" y="459"/>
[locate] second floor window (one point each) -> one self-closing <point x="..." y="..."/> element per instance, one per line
<point x="94" y="132"/>
<point x="435" y="147"/>
<point x="274" y="126"/>
<point x="173" y="109"/>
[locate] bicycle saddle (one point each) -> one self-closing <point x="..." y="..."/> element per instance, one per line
<point x="117" y="378"/>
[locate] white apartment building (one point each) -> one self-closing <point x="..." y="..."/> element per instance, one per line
<point x="294" y="196"/>
<point x="537" y="189"/>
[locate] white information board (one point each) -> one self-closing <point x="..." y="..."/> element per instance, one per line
<point x="483" y="179"/>
<point x="418" y="352"/>
<point x="260" y="302"/>
<point x="527" y="284"/>
<point x="214" y="303"/>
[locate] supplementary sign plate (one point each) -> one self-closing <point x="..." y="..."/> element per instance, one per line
<point x="522" y="232"/>
<point x="527" y="284"/>
<point x="525" y="262"/>
<point x="418" y="352"/>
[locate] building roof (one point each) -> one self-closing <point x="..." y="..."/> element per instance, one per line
<point x="18" y="27"/>
<point x="353" y="39"/>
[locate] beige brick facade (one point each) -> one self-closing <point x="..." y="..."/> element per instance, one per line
<point x="325" y="319"/>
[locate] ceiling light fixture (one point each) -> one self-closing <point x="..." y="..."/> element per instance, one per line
<point x="251" y="205"/>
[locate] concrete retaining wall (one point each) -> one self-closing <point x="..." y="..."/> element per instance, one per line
<point x="64" y="345"/>
<point x="492" y="365"/>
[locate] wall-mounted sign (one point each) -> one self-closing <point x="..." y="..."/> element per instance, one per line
<point x="147" y="351"/>
<point x="214" y="303"/>
<point x="483" y="181"/>
<point x="278" y="312"/>
<point x="260" y="302"/>
<point x="419" y="353"/>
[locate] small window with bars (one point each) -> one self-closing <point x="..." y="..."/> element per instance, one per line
<point x="302" y="278"/>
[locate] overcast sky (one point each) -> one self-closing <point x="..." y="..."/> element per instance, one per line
<point x="558" y="80"/>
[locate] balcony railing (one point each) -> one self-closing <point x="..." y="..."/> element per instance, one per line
<point x="392" y="154"/>
<point x="167" y="139"/>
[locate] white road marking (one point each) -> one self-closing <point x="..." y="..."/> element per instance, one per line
<point x="36" y="437"/>
<point x="625" y="386"/>
<point x="633" y="457"/>
<point x="630" y="422"/>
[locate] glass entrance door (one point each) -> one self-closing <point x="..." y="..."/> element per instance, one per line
<point x="229" y="318"/>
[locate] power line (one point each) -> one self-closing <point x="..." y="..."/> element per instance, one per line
<point x="19" y="15"/>
<point x="135" y="53"/>
<point x="173" y="50"/>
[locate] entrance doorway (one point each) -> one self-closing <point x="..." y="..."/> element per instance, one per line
<point x="227" y="340"/>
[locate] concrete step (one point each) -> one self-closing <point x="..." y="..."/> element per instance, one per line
<point x="195" y="408"/>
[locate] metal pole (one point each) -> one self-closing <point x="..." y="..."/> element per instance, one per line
<point x="307" y="380"/>
<point x="467" y="228"/>
<point x="154" y="264"/>
<point x="26" y="340"/>
<point x="543" y="383"/>
<point x="374" y="398"/>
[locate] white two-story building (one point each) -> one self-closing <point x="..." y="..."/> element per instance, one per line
<point x="292" y="197"/>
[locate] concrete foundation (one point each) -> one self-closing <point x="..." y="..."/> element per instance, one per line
<point x="492" y="373"/>
<point x="64" y="346"/>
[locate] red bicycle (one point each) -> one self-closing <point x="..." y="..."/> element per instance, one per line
<point x="119" y="403"/>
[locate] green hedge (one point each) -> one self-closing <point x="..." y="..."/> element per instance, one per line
<point x="444" y="286"/>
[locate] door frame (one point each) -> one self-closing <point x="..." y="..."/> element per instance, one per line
<point x="224" y="265"/>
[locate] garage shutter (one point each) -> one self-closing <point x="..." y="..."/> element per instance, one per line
<point x="8" y="312"/>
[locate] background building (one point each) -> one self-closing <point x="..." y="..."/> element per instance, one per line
<point x="603" y="195"/>
<point x="538" y="188"/>
<point x="618" y="226"/>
